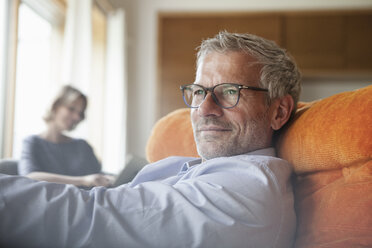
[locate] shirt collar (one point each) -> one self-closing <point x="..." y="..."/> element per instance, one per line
<point x="270" y="151"/>
<point x="190" y="164"/>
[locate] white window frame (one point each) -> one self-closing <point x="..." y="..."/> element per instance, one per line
<point x="53" y="11"/>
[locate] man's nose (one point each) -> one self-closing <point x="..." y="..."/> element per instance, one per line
<point x="209" y="107"/>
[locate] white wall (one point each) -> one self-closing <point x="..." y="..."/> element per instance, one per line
<point x="317" y="88"/>
<point x="142" y="51"/>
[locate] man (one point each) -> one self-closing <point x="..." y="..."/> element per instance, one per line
<point x="237" y="195"/>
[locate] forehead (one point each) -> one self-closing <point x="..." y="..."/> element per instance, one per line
<point x="232" y="67"/>
<point x="76" y="102"/>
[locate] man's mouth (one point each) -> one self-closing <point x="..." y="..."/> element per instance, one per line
<point x="213" y="129"/>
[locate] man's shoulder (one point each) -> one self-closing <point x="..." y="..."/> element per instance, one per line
<point x="161" y="169"/>
<point x="248" y="160"/>
<point x="276" y="166"/>
<point x="262" y="157"/>
<point x="173" y="162"/>
<point x="248" y="165"/>
<point x="174" y="159"/>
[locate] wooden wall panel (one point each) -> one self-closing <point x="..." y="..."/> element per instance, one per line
<point x="359" y="42"/>
<point x="316" y="41"/>
<point x="179" y="38"/>
<point x="322" y="42"/>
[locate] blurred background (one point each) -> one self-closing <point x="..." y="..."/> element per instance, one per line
<point x="130" y="56"/>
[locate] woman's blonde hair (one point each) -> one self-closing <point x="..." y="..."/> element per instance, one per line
<point x="66" y="96"/>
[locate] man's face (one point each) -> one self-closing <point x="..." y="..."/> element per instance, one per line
<point x="246" y="127"/>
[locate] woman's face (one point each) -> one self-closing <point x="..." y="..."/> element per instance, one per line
<point x="67" y="117"/>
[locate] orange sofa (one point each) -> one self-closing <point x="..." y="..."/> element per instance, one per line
<point x="329" y="143"/>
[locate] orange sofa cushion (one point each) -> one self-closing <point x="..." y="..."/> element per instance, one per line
<point x="332" y="133"/>
<point x="172" y="135"/>
<point x="329" y="143"/>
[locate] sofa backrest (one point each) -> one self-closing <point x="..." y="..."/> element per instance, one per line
<point x="9" y="166"/>
<point x="329" y="143"/>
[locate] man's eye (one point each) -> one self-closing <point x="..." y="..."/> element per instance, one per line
<point x="230" y="92"/>
<point x="198" y="92"/>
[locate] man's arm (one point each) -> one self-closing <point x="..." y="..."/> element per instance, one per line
<point x="197" y="212"/>
<point x="91" y="180"/>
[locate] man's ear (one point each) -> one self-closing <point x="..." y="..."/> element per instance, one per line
<point x="282" y="111"/>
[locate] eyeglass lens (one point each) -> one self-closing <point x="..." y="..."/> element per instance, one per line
<point x="225" y="95"/>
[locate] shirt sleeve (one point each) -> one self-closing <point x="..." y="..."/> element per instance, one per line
<point x="202" y="211"/>
<point x="29" y="157"/>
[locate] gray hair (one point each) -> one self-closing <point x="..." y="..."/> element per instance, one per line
<point x="279" y="73"/>
<point x="66" y="96"/>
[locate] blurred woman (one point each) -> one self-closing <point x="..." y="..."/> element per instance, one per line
<point x="55" y="157"/>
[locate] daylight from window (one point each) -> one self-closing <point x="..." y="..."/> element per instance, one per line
<point x="33" y="75"/>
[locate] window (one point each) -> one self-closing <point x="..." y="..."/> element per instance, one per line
<point x="33" y="73"/>
<point x="3" y="57"/>
<point x="49" y="43"/>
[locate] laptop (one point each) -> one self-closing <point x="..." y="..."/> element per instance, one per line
<point x="132" y="166"/>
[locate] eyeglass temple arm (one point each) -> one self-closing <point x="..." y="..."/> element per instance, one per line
<point x="253" y="88"/>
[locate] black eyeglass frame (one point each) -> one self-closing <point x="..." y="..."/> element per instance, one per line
<point x="211" y="90"/>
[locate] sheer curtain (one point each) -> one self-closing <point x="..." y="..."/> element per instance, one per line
<point x="105" y="125"/>
<point x="3" y="56"/>
<point x="27" y="29"/>
<point x="77" y="57"/>
<point x="115" y="124"/>
<point x="77" y="51"/>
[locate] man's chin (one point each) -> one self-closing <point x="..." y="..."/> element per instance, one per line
<point x="212" y="138"/>
<point x="209" y="151"/>
<point x="211" y="155"/>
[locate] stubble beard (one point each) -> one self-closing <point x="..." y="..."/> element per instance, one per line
<point x="214" y="146"/>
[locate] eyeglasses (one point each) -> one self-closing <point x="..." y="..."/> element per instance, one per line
<point x="225" y="95"/>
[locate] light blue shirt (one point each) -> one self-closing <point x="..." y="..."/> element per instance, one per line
<point x="239" y="201"/>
